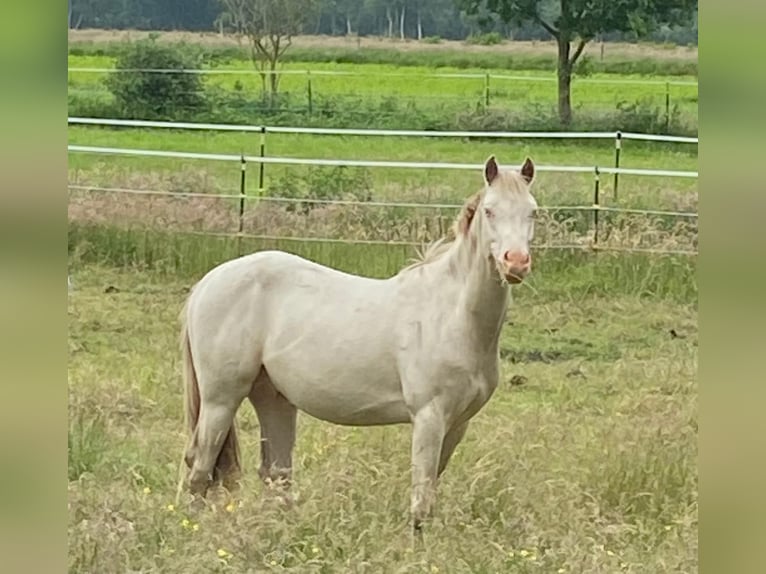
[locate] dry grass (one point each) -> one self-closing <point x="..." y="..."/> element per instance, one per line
<point x="611" y="50"/>
<point x="269" y="218"/>
<point x="589" y="466"/>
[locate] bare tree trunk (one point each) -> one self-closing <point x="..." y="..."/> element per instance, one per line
<point x="348" y="26"/>
<point x="420" y="27"/>
<point x="564" y="80"/>
<point x="401" y="22"/>
<point x="274" y="81"/>
<point x="390" y="22"/>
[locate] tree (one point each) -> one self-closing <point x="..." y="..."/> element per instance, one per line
<point x="269" y="26"/>
<point x="582" y="20"/>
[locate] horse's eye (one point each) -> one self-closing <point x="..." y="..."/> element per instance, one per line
<point x="488" y="212"/>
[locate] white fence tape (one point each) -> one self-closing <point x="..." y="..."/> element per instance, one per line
<point x="362" y="163"/>
<point x="369" y="132"/>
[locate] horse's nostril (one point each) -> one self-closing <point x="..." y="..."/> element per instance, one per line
<point x="516" y="258"/>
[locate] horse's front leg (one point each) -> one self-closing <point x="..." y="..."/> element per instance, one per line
<point x="427" y="438"/>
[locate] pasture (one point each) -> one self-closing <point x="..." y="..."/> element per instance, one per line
<point x="368" y="220"/>
<point x="421" y="85"/>
<point x="585" y="458"/>
<point x="583" y="461"/>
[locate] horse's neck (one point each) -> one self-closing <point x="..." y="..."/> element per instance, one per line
<point x="482" y="294"/>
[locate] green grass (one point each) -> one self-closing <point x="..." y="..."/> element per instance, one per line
<point x="388" y="184"/>
<point x="589" y="466"/>
<point x="377" y="82"/>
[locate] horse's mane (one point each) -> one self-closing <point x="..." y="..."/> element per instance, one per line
<point x="459" y="229"/>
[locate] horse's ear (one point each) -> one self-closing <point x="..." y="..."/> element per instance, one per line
<point x="528" y="170"/>
<point x="467" y="213"/>
<point x="490" y="170"/>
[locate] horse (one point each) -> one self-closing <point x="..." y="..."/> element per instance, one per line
<point x="418" y="348"/>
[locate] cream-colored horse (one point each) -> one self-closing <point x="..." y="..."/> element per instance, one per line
<point x="420" y="347"/>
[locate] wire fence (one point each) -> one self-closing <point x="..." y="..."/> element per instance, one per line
<point x="487" y="89"/>
<point x="597" y="214"/>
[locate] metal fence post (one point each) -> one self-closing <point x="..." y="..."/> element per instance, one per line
<point x="262" y="166"/>
<point x="617" y="146"/>
<point x="486" y="92"/>
<point x="308" y="91"/>
<point x="242" y="195"/>
<point x="596" y="205"/>
<point x="667" y="107"/>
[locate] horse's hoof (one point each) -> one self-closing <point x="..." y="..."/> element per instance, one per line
<point x="417" y="529"/>
<point x="197" y="504"/>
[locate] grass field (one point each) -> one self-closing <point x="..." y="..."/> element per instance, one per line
<point x="376" y="83"/>
<point x="587" y="465"/>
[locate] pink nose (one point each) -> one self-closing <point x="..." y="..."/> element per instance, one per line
<point x="517" y="259"/>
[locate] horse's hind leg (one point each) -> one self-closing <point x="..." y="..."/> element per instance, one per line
<point x="277" y="418"/>
<point x="215" y="445"/>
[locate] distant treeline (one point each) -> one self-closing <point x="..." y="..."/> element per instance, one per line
<point x="396" y="18"/>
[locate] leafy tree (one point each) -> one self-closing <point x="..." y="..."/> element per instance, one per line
<point x="269" y="26"/>
<point x="579" y="21"/>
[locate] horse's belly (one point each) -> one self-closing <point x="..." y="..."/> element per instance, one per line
<point x="342" y="396"/>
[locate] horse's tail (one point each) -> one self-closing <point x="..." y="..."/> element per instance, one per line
<point x="191" y="390"/>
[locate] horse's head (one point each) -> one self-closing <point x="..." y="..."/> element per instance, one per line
<point x="506" y="210"/>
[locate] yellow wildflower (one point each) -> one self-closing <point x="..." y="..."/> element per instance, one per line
<point x="195" y="527"/>
<point x="315" y="550"/>
<point x="609" y="553"/>
<point x="273" y="562"/>
<point x="170" y="508"/>
<point x="147" y="490"/>
<point x="185" y="523"/>
<point x="533" y="557"/>
<point x="524" y="553"/>
<point x="230" y="507"/>
<point x="560" y="571"/>
<point x="434" y="568"/>
<point x="668" y="527"/>
<point x="222" y="553"/>
<point x="511" y="554"/>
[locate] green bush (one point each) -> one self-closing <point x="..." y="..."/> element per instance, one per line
<point x="150" y="95"/>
